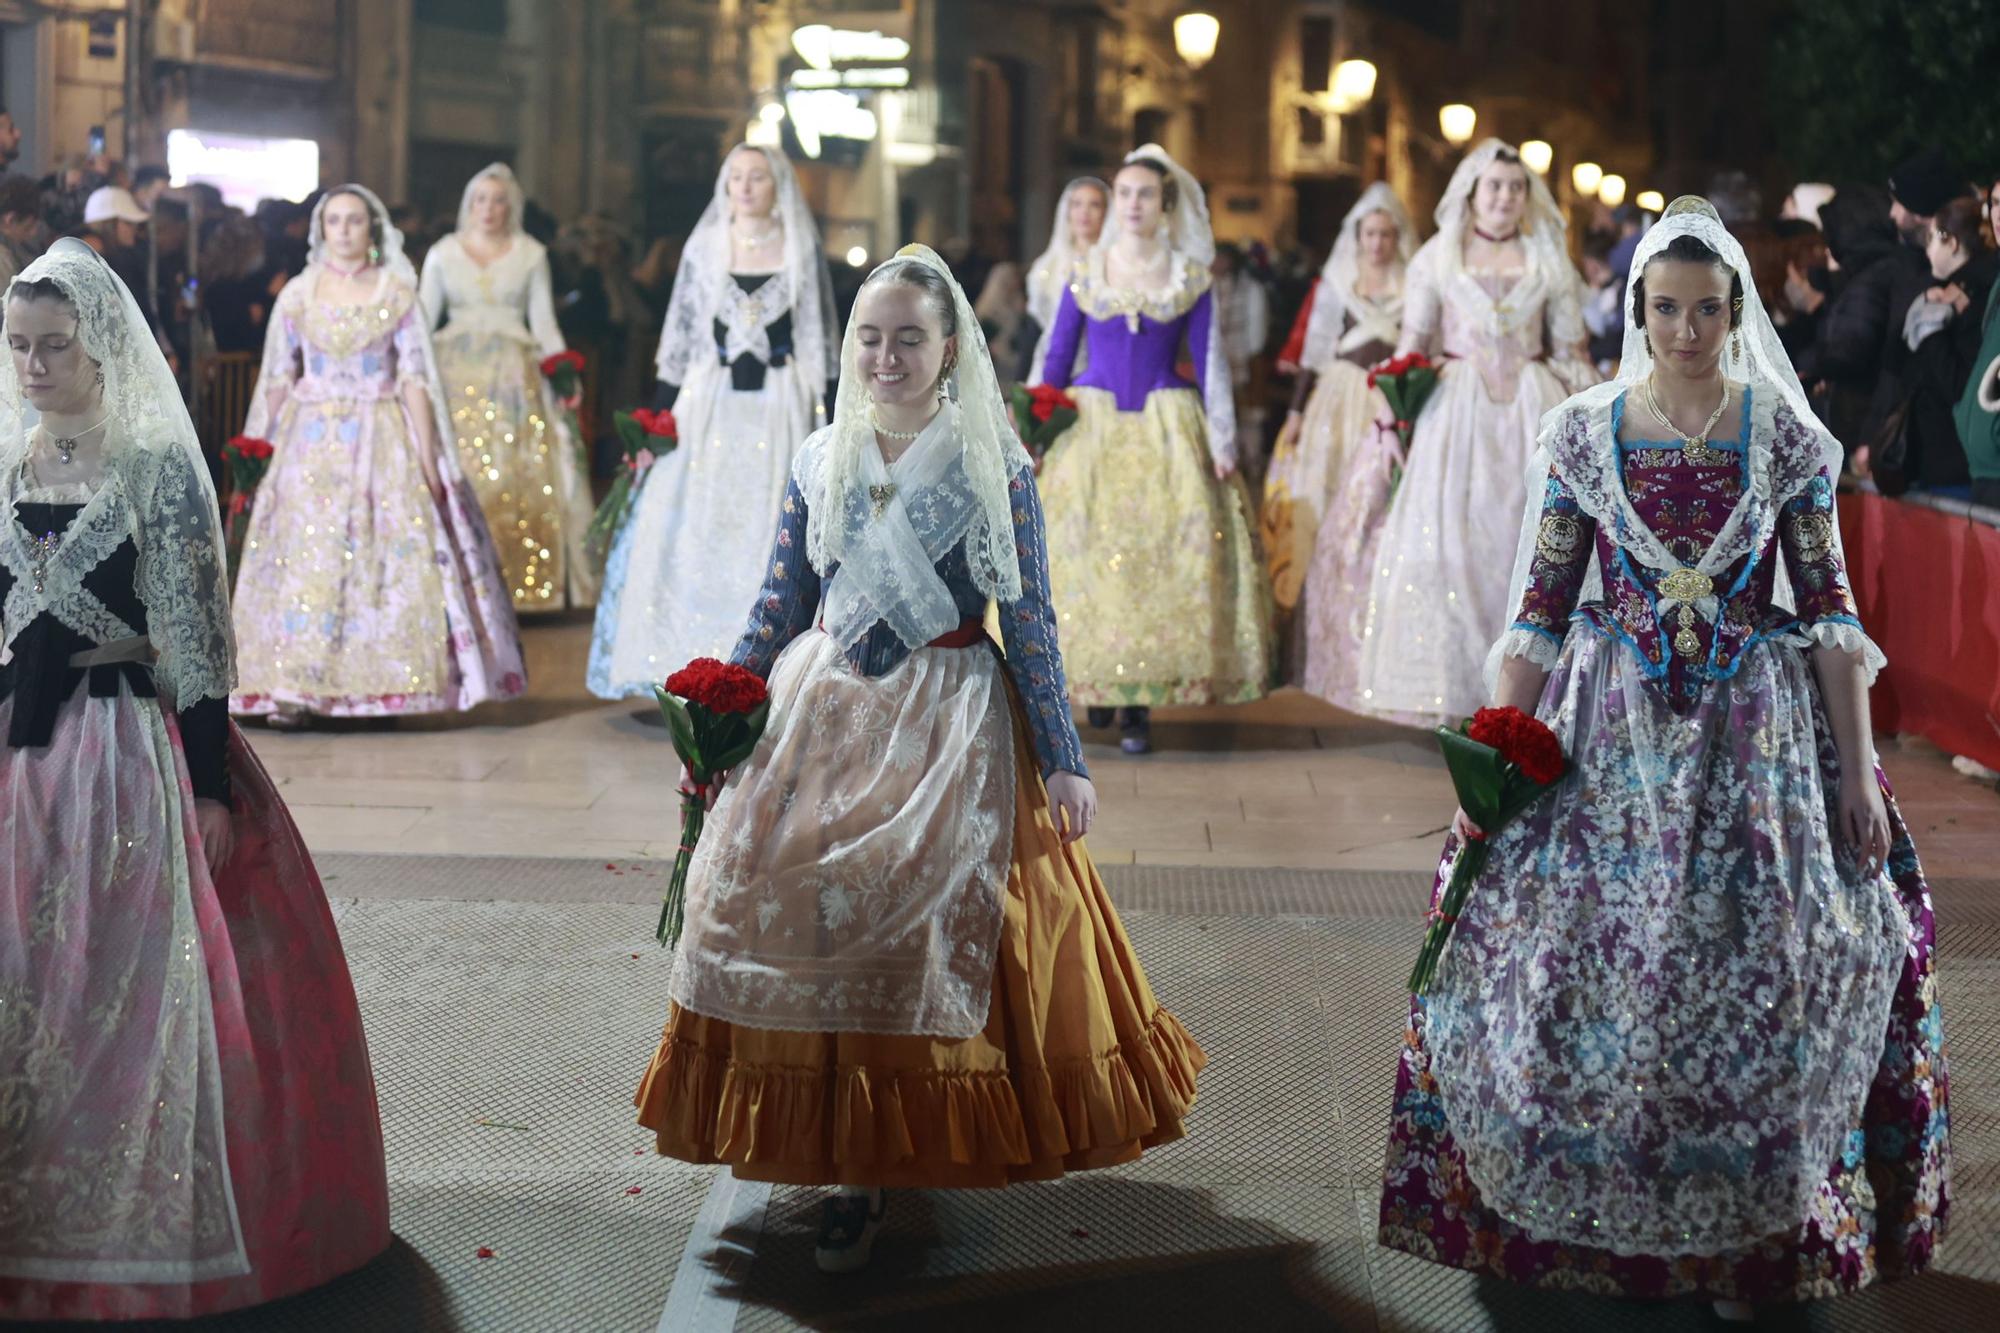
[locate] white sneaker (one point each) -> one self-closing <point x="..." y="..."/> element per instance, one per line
<point x="1972" y="768"/>
<point x="847" y="1227"/>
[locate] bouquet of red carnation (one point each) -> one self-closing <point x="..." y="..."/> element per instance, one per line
<point x="564" y="372"/>
<point x="1406" y="381"/>
<point x="247" y="458"/>
<point x="646" y="436"/>
<point x="1041" y="414"/>
<point x="716" y="712"/>
<point x="1500" y="761"/>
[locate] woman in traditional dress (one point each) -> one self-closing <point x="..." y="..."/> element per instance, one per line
<point x="746" y="359"/>
<point x="1413" y="587"/>
<point x="1079" y="221"/>
<point x="1685" y="1039"/>
<point x="190" y="1117"/>
<point x="489" y="284"/>
<point x="1356" y="321"/>
<point x="1151" y="552"/>
<point x="369" y="586"/>
<point x="900" y="968"/>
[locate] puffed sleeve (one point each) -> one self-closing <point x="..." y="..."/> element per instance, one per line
<point x="1060" y="365"/>
<point x="1028" y="628"/>
<point x="280" y="369"/>
<point x="542" y="325"/>
<point x="1808" y="533"/>
<point x="1422" y="306"/>
<point x="431" y="290"/>
<point x="412" y="358"/>
<point x="1564" y="539"/>
<point x="789" y="599"/>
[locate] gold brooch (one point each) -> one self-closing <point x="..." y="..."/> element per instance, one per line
<point x="880" y="496"/>
<point x="1687" y="585"/>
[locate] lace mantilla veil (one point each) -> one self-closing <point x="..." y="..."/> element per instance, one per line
<point x="1048" y="276"/>
<point x="840" y="518"/>
<point x="1189" y="234"/>
<point x="704" y="273"/>
<point x="517" y="198"/>
<point x="1336" y="277"/>
<point x="154" y="464"/>
<point x="395" y="262"/>
<point x="1577" y="441"/>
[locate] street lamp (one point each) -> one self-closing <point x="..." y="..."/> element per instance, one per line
<point x="1611" y="190"/>
<point x="1651" y="200"/>
<point x="1538" y="156"/>
<point x="1586" y="176"/>
<point x="1195" y="35"/>
<point x="1457" y="120"/>
<point x="1353" y="85"/>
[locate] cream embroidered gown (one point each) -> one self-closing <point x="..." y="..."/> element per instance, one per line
<point x="514" y="438"/>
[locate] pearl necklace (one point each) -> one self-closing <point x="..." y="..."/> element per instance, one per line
<point x="66" y="444"/>
<point x="758" y="242"/>
<point x="340" y="272"/>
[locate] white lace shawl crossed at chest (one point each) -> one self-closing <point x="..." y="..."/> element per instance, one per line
<point x="180" y="579"/>
<point x="891" y="548"/>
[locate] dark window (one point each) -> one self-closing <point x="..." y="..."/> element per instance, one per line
<point x="487" y="16"/>
<point x="1315" y="53"/>
<point x="1312" y="128"/>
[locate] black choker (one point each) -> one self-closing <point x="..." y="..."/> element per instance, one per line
<point x="1513" y="235"/>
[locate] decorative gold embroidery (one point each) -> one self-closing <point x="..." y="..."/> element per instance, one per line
<point x="1813" y="534"/>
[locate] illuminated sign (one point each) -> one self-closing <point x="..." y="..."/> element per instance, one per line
<point x="858" y="76"/>
<point x="244" y="168"/>
<point x="828" y="113"/>
<point x="822" y="47"/>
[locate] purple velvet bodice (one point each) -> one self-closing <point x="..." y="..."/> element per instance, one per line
<point x="1134" y="339"/>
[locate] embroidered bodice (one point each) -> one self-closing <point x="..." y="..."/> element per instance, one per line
<point x="1681" y="639"/>
<point x="753" y="327"/>
<point x="345" y="353"/>
<point x="1498" y="322"/>
<point x="1134" y="337"/>
<point x="789" y="604"/>
<point x="71" y="580"/>
<point x="511" y="296"/>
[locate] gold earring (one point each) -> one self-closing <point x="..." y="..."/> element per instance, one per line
<point x="1647" y="337"/>
<point x="1736" y="344"/>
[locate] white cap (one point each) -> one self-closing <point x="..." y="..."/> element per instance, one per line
<point x="108" y="202"/>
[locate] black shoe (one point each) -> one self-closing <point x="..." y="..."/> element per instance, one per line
<point x="1137" y="726"/>
<point x="847" y="1227"/>
<point x="1100" y="718"/>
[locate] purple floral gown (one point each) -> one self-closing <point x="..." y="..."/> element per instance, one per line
<point x="1682" y="1044"/>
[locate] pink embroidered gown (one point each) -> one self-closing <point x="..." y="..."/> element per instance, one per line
<point x="358" y="595"/>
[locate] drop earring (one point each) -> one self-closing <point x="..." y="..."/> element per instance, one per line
<point x="1736" y="345"/>
<point x="374" y="254"/>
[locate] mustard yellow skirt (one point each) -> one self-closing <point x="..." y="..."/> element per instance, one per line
<point x="1079" y="1067"/>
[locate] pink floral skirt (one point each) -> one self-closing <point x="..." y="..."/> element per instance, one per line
<point x="276" y="1069"/>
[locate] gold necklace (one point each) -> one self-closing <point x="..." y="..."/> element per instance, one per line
<point x="1695" y="446"/>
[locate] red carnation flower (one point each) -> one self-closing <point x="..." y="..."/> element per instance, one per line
<point x="721" y="687"/>
<point x="1523" y="741"/>
<point x="659" y="423"/>
<point x="566" y="360"/>
<point x="247" y="446"/>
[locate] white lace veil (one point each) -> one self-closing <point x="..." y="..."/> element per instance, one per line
<point x="1049" y="274"/>
<point x="517" y="198"/>
<point x="1578" y="440"/>
<point x="1336" y="279"/>
<point x="831" y="475"/>
<point x="1188" y="233"/>
<point x="152" y="452"/>
<point x="275" y="377"/>
<point x="704" y="272"/>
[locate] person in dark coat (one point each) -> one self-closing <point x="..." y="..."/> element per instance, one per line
<point x="1849" y="300"/>
<point x="1918" y="189"/>
<point x="1945" y="324"/>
